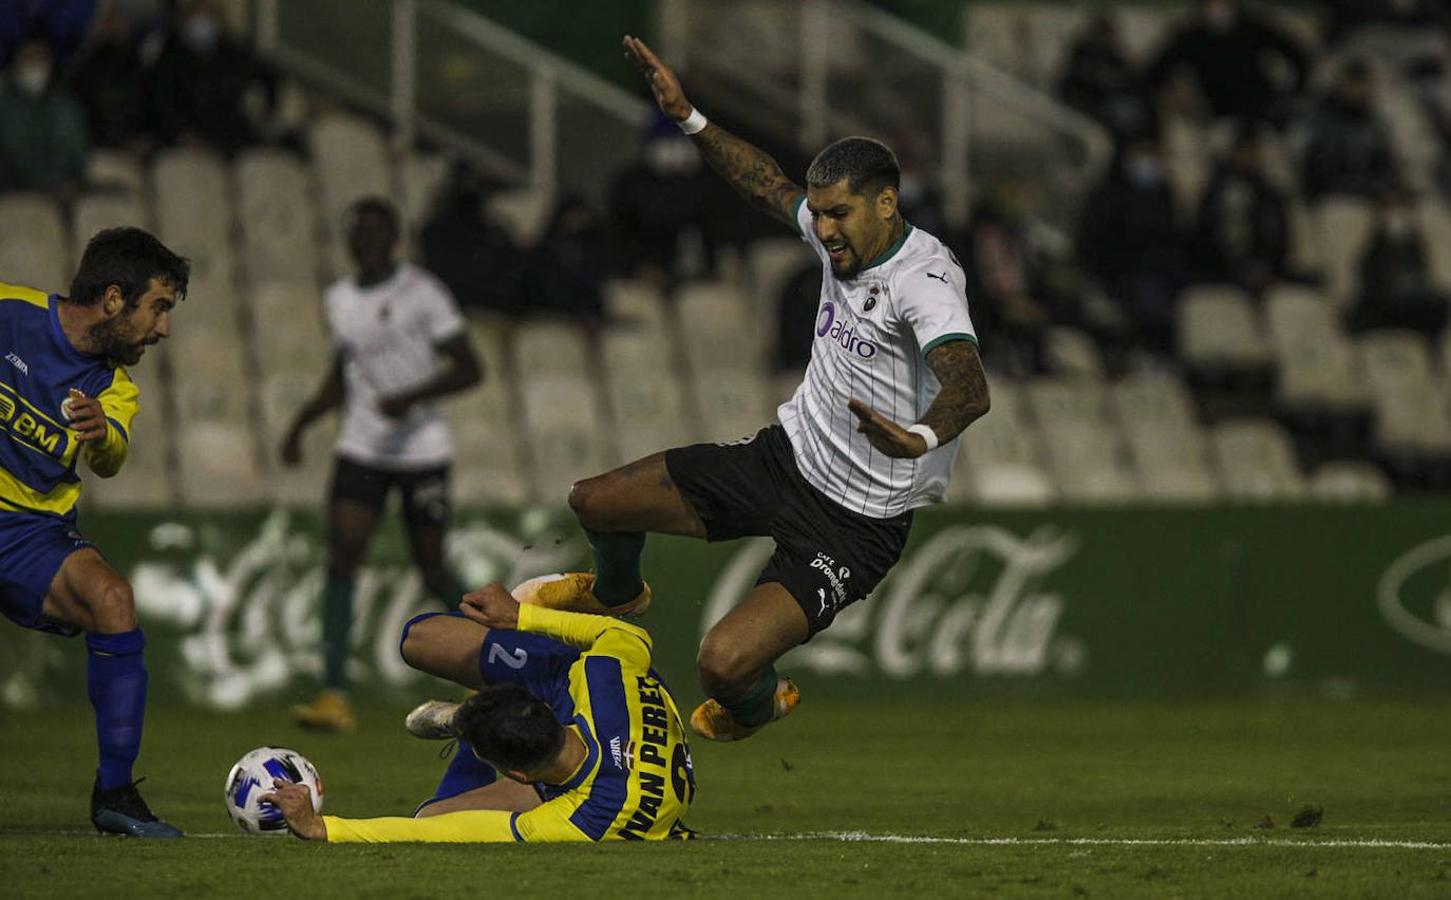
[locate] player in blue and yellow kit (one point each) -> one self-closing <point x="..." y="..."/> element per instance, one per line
<point x="65" y="397"/>
<point x="568" y="708"/>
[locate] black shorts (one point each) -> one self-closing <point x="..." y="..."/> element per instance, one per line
<point x="424" y="491"/>
<point x="827" y="556"/>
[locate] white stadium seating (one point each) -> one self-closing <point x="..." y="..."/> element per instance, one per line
<point x="32" y="243"/>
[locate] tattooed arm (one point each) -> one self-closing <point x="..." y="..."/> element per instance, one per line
<point x="746" y="168"/>
<point x="962" y="400"/>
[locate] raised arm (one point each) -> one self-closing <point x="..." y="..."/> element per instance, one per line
<point x="746" y="168"/>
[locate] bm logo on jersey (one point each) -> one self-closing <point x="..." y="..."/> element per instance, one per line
<point x="28" y="429"/>
<point x="828" y="327"/>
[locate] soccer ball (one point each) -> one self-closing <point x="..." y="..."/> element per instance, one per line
<point x="252" y="777"/>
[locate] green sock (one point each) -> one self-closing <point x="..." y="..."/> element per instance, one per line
<point x="757" y="705"/>
<point x="337" y="625"/>
<point x="450" y="592"/>
<point x="617" y="565"/>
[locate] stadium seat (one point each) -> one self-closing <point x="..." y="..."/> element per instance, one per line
<point x="1058" y="403"/>
<point x="1171" y="464"/>
<point x="279" y="223"/>
<point x="487" y="467"/>
<point x="194" y="214"/>
<point x="1436" y="233"/>
<point x="1394" y="359"/>
<point x="104" y="209"/>
<point x="1344" y="227"/>
<point x="1089" y="465"/>
<point x="282" y="394"/>
<point x="217" y="462"/>
<point x="146" y="482"/>
<point x="566" y="435"/>
<point x="115" y="170"/>
<point x="1317" y="367"/>
<point x="999" y="462"/>
<point x="732" y="405"/>
<point x="1072" y="352"/>
<point x="769" y="263"/>
<point x="351" y="160"/>
<point x="554" y="346"/>
<point x="718" y="328"/>
<point x="1218" y="331"/>
<point x="209" y="378"/>
<point x="649" y="413"/>
<point x="1256" y="461"/>
<point x="1350" y="481"/>
<point x="288" y="330"/>
<point x="32" y="243"/>
<point x="1412" y="421"/>
<point x="1148" y="402"/>
<point x="637" y="304"/>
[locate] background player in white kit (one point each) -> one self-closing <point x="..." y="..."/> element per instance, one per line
<point x="869" y="436"/>
<point x="391" y="324"/>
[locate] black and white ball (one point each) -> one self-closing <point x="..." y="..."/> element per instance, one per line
<point x="252" y="777"/>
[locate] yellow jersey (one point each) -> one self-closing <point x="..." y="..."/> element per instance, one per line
<point x="637" y="780"/>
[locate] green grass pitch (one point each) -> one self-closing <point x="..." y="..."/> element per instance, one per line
<point x="1028" y="798"/>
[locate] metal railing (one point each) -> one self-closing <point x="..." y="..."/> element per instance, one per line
<point x="446" y="74"/>
<point x="819" y="69"/>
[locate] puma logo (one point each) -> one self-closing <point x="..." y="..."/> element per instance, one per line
<point x="942" y="278"/>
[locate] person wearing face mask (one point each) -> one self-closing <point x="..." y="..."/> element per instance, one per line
<point x="110" y="83"/>
<point x="1395" y="279"/>
<point x="1232" y="54"/>
<point x="1128" y="238"/>
<point x="43" y="139"/>
<point x="1243" y="233"/>
<point x="208" y="89"/>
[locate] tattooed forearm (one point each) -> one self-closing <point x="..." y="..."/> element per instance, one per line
<point x="964" y="396"/>
<point x="750" y="170"/>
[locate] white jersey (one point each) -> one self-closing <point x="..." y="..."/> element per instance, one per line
<point x="387" y="336"/>
<point x="872" y="337"/>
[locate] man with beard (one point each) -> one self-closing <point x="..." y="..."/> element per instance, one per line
<point x="869" y="436"/>
<point x="65" y="396"/>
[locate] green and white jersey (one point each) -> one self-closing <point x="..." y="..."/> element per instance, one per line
<point x="872" y="337"/>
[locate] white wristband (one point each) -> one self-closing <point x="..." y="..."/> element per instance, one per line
<point x="694" y="122"/>
<point x="927" y="434"/>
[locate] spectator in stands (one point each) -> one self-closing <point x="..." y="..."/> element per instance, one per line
<point x="43" y="139"/>
<point x="110" y="82"/>
<point x="207" y="88"/>
<point x="60" y="24"/>
<point x="796" y="310"/>
<point x="1099" y="81"/>
<point x="1395" y="279"/>
<point x="1232" y="53"/>
<point x="997" y="258"/>
<point x="477" y="260"/>
<point x="1128" y="238"/>
<point x="1244" y="221"/>
<point x="1348" y="149"/>
<point x="660" y="204"/>
<point x="564" y="273"/>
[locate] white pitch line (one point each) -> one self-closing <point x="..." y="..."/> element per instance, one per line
<point x="867" y="837"/>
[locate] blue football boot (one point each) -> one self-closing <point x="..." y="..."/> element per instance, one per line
<point x="122" y="811"/>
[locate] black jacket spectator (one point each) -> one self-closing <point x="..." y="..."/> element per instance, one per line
<point x="110" y="82"/>
<point x="565" y="273"/>
<point x="1348" y="150"/>
<point x="796" y="318"/>
<point x="1231" y="52"/>
<point x="1128" y="238"/>
<point x="1099" y="81"/>
<point x="478" y="261"/>
<point x="207" y="87"/>
<point x="1395" y="279"/>
<point x="1244" y="222"/>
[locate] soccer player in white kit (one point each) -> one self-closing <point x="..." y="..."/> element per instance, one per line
<point x="400" y="345"/>
<point x="869" y="436"/>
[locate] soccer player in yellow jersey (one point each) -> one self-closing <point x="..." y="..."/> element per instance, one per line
<point x="568" y="709"/>
<point x="65" y="397"/>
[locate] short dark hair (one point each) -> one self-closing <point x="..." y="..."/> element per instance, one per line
<point x="128" y="258"/>
<point x="510" y="727"/>
<point x="374" y="204"/>
<point x="867" y="165"/>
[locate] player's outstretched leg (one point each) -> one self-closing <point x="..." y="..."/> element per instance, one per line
<point x="736" y="664"/>
<point x="616" y="509"/>
<point x="88" y="593"/>
<point x="350" y="527"/>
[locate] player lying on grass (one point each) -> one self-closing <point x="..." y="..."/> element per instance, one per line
<point x="567" y="708"/>
<point x="894" y="373"/>
<point x="65" y="397"/>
